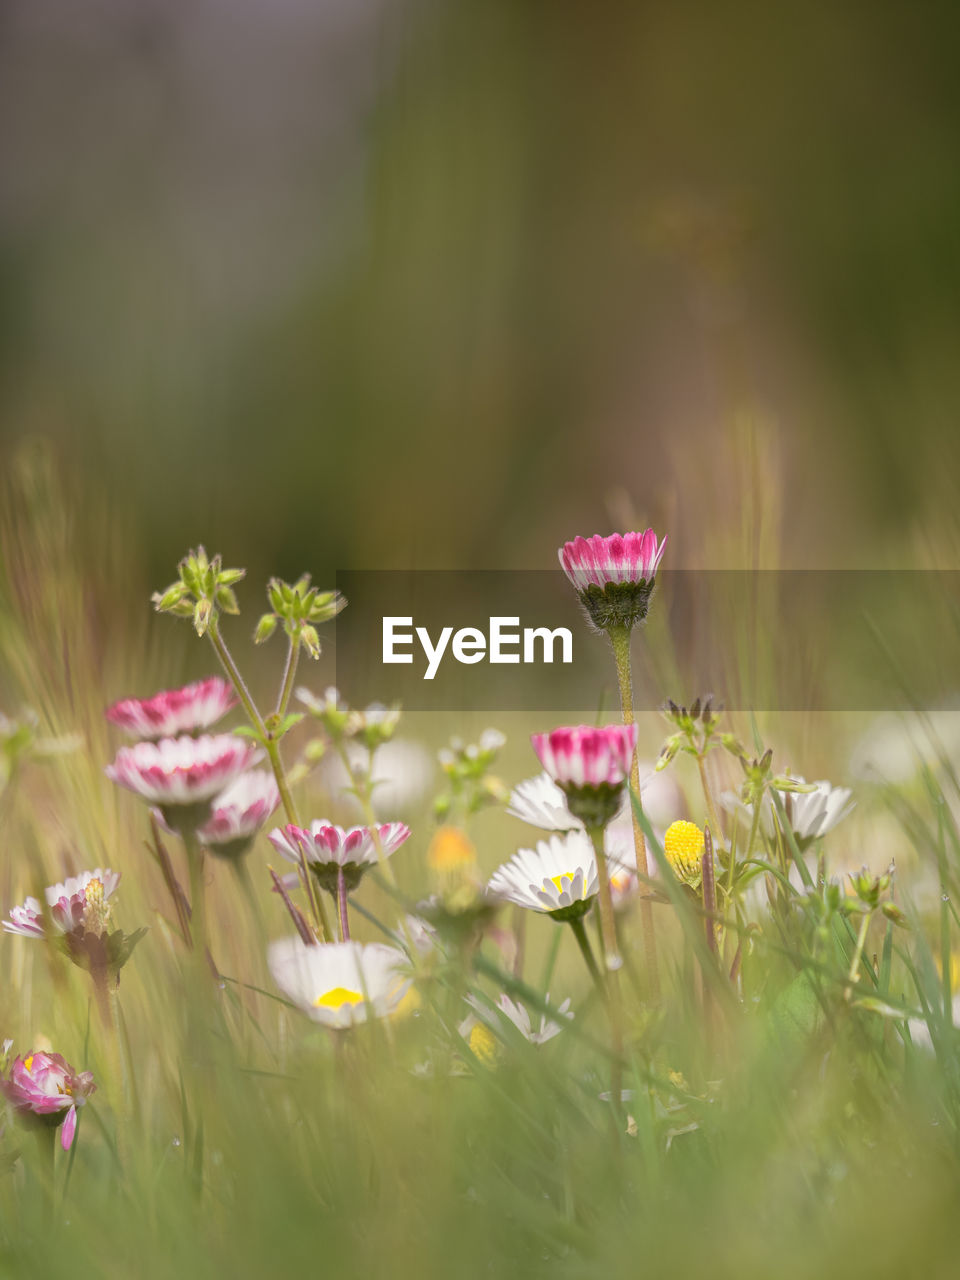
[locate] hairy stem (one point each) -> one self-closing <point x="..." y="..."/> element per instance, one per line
<point x="620" y="642"/>
<point x="272" y="748"/>
<point x="289" y="675"/>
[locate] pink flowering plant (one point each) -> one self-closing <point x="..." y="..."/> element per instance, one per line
<point x="323" y="974"/>
<point x="45" y="1091"/>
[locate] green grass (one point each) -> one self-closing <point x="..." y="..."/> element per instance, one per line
<point x="789" y="1126"/>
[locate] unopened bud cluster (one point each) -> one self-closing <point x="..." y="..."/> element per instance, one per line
<point x="301" y="609"/>
<point x="466" y="767"/>
<point x="203" y="590"/>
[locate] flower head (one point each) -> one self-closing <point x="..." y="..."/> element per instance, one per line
<point x="683" y="845"/>
<point x="541" y="803"/>
<point x="330" y="850"/>
<point x="79" y="909"/>
<point x="340" y="983"/>
<point x="558" y="877"/>
<point x="167" y="714"/>
<point x="239" y="812"/>
<point x="613" y="576"/>
<point x="182" y="775"/>
<point x="590" y="765"/>
<point x="44" y="1089"/>
<point x="811" y="814"/>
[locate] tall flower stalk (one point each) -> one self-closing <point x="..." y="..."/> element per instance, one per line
<point x="614" y="578"/>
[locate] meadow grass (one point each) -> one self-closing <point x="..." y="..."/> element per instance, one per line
<point x="799" y="1119"/>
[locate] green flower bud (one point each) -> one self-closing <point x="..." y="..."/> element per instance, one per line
<point x="265" y="628"/>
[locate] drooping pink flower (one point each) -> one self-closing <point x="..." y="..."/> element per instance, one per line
<point x="43" y="1088"/>
<point x="174" y="711"/>
<point x="239" y="813"/>
<point x="177" y="772"/>
<point x="614" y="576"/>
<point x="330" y="850"/>
<point x="587" y="755"/>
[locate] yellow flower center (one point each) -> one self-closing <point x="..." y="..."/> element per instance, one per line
<point x="337" y="997"/>
<point x="28" y="1063"/>
<point x="483" y="1044"/>
<point x="94" y="893"/>
<point x="683" y="845"/>
<point x="558" y="880"/>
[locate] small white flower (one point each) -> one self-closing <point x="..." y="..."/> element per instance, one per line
<point x="560" y="873"/>
<point x="520" y="1018"/>
<point x="541" y="803"/>
<point x="340" y="983"/>
<point x="811" y="814"/>
<point x="483" y="1016"/>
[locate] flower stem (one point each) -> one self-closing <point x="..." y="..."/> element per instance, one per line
<point x="289" y="674"/>
<point x="272" y="748"/>
<point x="342" y="917"/>
<point x="853" y="976"/>
<point x="583" y="942"/>
<point x="198" y="903"/>
<point x="714" y="817"/>
<point x="362" y="789"/>
<point x="612" y="964"/>
<point x="620" y="643"/>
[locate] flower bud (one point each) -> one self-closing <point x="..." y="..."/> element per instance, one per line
<point x="311" y="641"/>
<point x="265" y="628"/>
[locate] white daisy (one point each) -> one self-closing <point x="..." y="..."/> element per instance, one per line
<point x="478" y="1027"/>
<point x="560" y="874"/>
<point x="340" y="983"/>
<point x="811" y="814"/>
<point x="540" y="802"/>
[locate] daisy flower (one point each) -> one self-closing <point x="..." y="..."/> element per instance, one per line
<point x="181" y="776"/>
<point x="811" y="814"/>
<point x="340" y="983"/>
<point x="614" y="576"/>
<point x="590" y="765"/>
<point x="79" y="903"/>
<point x="331" y="851"/>
<point x="239" y="812"/>
<point x="587" y="756"/>
<point x="79" y="910"/>
<point x="174" y="711"/>
<point x="540" y="802"/>
<point x="559" y="877"/>
<point x="683" y="846"/>
<point x="44" y="1089"/>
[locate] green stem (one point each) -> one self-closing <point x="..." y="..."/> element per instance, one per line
<point x="289" y="675"/>
<point x="272" y="748"/>
<point x="620" y="643"/>
<point x="583" y="942"/>
<point x="362" y="789"/>
<point x="712" y="814"/>
<point x="852" y="976"/>
<point x="342" y="916"/>
<point x="236" y="679"/>
<point x="198" y="898"/>
<point x="612" y="964"/>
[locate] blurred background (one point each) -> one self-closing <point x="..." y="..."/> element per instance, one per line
<point x="407" y="284"/>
